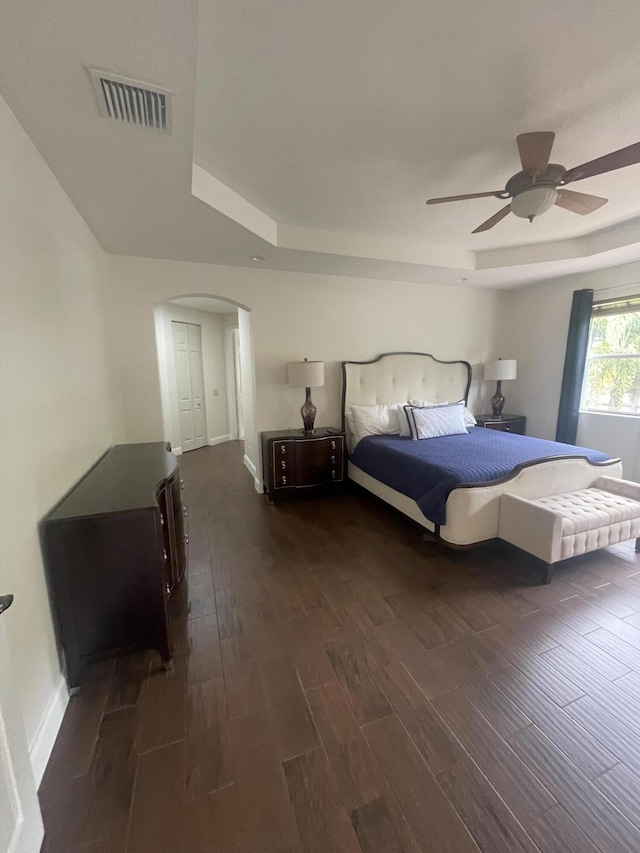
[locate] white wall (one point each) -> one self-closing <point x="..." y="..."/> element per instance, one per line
<point x="250" y="414"/>
<point x="535" y="323"/>
<point x="618" y="435"/>
<point x="213" y="362"/>
<point x="292" y="316"/>
<point x="230" y="325"/>
<point x="58" y="405"/>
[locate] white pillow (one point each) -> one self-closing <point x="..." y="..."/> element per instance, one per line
<point x="351" y="439"/>
<point x="373" y="420"/>
<point x="469" y="419"/>
<point x="405" y="429"/>
<point x="435" y="421"/>
<point x="403" y="423"/>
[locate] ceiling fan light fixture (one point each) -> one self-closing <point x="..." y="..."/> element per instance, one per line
<point x="533" y="201"/>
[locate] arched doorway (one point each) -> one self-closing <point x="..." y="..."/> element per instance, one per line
<point x="205" y="366"/>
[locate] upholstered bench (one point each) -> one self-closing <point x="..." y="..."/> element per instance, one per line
<point x="557" y="527"/>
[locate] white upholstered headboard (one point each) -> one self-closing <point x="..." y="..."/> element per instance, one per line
<point x="397" y="377"/>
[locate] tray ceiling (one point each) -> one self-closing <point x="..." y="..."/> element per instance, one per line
<point x="318" y="130"/>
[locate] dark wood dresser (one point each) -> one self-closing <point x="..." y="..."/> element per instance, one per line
<point x="115" y="549"/>
<point x="292" y="460"/>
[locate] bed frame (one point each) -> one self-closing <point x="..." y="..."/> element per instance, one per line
<point x="472" y="510"/>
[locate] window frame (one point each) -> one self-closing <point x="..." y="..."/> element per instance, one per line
<point x="608" y="308"/>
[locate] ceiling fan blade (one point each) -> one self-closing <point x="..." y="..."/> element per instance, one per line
<point x="609" y="163"/>
<point x="535" y="150"/>
<point x="496" y="193"/>
<point x="579" y="202"/>
<point x="493" y="220"/>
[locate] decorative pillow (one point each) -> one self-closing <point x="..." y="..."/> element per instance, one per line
<point x="403" y="418"/>
<point x="469" y="418"/>
<point x="373" y="420"/>
<point x="435" y="421"/>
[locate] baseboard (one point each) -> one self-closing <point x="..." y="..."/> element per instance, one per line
<point x="48" y="730"/>
<point x="248" y="464"/>
<point x="257" y="481"/>
<point x="219" y="439"/>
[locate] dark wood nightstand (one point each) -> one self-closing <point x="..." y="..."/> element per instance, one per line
<point x="505" y="423"/>
<point x="292" y="460"/>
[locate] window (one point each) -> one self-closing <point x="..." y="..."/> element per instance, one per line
<point x="612" y="375"/>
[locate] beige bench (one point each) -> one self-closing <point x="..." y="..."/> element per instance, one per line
<point x="557" y="527"/>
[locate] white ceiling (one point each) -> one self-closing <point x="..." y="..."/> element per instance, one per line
<point x="319" y="129"/>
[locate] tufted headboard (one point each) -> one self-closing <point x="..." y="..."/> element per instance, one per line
<point x="396" y="377"/>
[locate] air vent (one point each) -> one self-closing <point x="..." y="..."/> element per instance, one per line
<point x="132" y="102"/>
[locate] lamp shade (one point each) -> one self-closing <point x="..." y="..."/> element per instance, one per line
<point x="534" y="201"/>
<point x="305" y="374"/>
<point x="504" y="368"/>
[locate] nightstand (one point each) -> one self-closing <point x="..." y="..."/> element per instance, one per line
<point x="292" y="460"/>
<point x="505" y="423"/>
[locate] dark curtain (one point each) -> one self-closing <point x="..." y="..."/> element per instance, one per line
<point x="574" y="363"/>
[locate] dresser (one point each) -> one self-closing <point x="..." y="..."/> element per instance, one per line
<point x="504" y="423"/>
<point x="115" y="549"/>
<point x="292" y="460"/>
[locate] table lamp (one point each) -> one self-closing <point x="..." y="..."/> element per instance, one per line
<point x="500" y="370"/>
<point x="308" y="375"/>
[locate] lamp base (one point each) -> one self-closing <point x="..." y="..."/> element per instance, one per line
<point x="497" y="401"/>
<point x="308" y="412"/>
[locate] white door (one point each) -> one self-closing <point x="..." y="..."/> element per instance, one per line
<point x="187" y="347"/>
<point x="196" y="376"/>
<point x="21" y="829"/>
<point x="237" y="373"/>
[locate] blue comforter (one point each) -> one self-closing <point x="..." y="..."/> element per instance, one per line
<point x="427" y="470"/>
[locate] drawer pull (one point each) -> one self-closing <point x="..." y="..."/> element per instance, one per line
<point x="184" y="511"/>
<point x="165" y="554"/>
<point x="284" y="481"/>
<point x="283" y="448"/>
<point x="162" y="519"/>
<point x="333" y="474"/>
<point x="182" y="484"/>
<point x="333" y="460"/>
<point x="186" y="540"/>
<point x="284" y="464"/>
<point x="333" y="445"/>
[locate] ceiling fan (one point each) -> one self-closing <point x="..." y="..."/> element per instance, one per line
<point x="537" y="187"/>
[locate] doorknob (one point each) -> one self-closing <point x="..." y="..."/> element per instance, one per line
<point x="5" y="602"/>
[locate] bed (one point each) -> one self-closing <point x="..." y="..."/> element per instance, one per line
<point x="466" y="512"/>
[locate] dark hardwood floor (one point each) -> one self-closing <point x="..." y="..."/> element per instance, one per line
<point x="341" y="686"/>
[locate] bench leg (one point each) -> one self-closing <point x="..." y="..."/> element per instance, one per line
<point x="546" y="572"/>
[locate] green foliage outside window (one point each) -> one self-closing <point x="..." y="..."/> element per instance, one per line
<point x="612" y="381"/>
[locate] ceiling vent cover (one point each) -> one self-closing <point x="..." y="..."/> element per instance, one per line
<point x="132" y="102"/>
